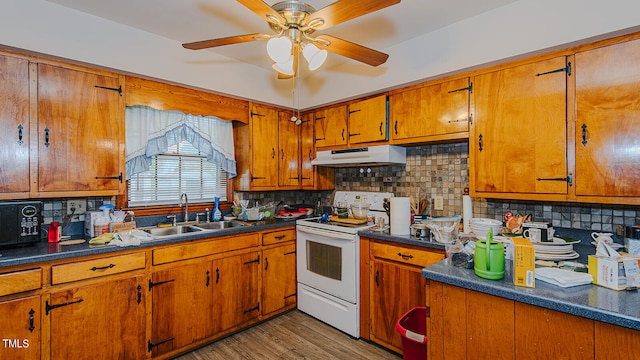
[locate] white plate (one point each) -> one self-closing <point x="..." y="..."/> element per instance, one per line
<point x="571" y="255"/>
<point x="554" y="249"/>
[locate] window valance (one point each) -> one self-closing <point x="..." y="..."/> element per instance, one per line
<point x="150" y="132"/>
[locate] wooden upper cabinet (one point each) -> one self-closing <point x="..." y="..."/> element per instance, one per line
<point x="14" y="126"/>
<point x="519" y="133"/>
<point x="288" y="151"/>
<point x="307" y="153"/>
<point x="264" y="148"/>
<point x="433" y="112"/>
<point x="367" y="120"/>
<point x="607" y="121"/>
<point x="80" y="132"/>
<point x="330" y="126"/>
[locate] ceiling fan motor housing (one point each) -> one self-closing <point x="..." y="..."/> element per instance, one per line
<point x="295" y="12"/>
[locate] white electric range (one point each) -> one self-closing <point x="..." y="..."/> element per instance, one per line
<point x="328" y="266"/>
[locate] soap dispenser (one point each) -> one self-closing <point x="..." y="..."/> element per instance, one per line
<point x="217" y="214"/>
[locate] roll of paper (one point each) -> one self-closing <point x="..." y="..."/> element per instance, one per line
<point x="400" y="216"/>
<point x="467" y="213"/>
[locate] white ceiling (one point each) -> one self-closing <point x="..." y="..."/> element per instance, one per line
<point x="194" y="20"/>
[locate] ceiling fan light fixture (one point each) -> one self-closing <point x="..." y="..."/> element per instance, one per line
<point x="285" y="67"/>
<point x="314" y="56"/>
<point x="279" y="49"/>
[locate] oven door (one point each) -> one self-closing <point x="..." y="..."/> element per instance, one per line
<point x="328" y="261"/>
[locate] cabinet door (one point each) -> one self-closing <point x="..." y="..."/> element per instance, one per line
<point x="432" y="110"/>
<point x="548" y="334"/>
<point x="21" y="328"/>
<point x="80" y="131"/>
<point x="395" y="289"/>
<point x="235" y="290"/>
<point x="307" y="152"/>
<point x="14" y="125"/>
<point x="264" y="148"/>
<point x="101" y="321"/>
<point x="368" y="120"/>
<point x="278" y="278"/>
<point x="182" y="299"/>
<point x="330" y="126"/>
<point x="607" y="121"/>
<point x="520" y="135"/>
<point x="288" y="152"/>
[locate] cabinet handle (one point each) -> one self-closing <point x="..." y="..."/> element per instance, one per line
<point x="280" y="237"/>
<point x="20" y="134"/>
<point x="118" y="89"/>
<point x="208" y="277"/>
<point x="217" y="275"/>
<point x="32" y="320"/>
<point x="405" y="257"/>
<point x="459" y="120"/>
<point x="273" y="153"/>
<point x="110" y="266"/>
<point x="480" y="142"/>
<point x="395" y="127"/>
<point x="584" y="134"/>
<point x="139" y="299"/>
<point x="266" y="263"/>
<point x="568" y="179"/>
<point x="342" y="134"/>
<point x="49" y="307"/>
<point x="257" y="260"/>
<point x="152" y="284"/>
<point x="281" y="154"/>
<point x="290" y="253"/>
<point x="310" y="158"/>
<point x="356" y="134"/>
<point x="468" y="88"/>
<point x="380" y="128"/>
<point x="115" y="177"/>
<point x="46" y="137"/>
<point x="564" y="69"/>
<point x="151" y="345"/>
<point x="353" y="111"/>
<point x="377" y="274"/>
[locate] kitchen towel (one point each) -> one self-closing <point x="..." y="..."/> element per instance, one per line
<point x="400" y="215"/>
<point x="467" y="213"/>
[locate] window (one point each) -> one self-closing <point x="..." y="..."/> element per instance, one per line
<point x="182" y="169"/>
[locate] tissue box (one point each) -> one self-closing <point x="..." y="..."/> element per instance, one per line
<point x="523" y="262"/>
<point x="614" y="273"/>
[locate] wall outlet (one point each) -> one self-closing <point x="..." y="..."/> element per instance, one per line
<point x="79" y="206"/>
<point x="438" y="202"/>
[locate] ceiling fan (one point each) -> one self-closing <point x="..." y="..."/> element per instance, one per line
<point x="294" y="22"/>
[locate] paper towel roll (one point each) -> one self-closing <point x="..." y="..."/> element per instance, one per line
<point x="400" y="216"/>
<point x="467" y="213"/>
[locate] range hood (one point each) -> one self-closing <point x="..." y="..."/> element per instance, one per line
<point x="364" y="156"/>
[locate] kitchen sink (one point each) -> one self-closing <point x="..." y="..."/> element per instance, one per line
<point x="175" y="230"/>
<point x="218" y="225"/>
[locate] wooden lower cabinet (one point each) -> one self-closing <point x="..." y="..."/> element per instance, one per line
<point x="21" y="328"/>
<point x="105" y="320"/>
<point x="393" y="285"/>
<point x="236" y="299"/>
<point x="279" y="288"/>
<point x="182" y="306"/>
<point x="468" y="324"/>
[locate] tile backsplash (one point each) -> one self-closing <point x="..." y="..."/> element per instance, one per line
<point x="443" y="170"/>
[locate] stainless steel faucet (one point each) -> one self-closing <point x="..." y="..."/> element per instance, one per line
<point x="186" y="206"/>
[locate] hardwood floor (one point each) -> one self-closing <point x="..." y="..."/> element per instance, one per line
<point x="293" y="335"/>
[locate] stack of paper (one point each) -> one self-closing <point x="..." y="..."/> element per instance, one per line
<point x="561" y="277"/>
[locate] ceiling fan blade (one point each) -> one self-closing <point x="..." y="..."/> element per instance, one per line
<point x="221" y="41"/>
<point x="353" y="51"/>
<point x="264" y="11"/>
<point x="341" y="11"/>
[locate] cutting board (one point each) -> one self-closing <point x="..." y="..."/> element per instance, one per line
<point x="352" y="221"/>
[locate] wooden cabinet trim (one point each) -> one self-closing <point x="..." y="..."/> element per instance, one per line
<point x="203" y="248"/>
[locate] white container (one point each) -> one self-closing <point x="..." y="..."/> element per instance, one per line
<point x="90" y="218"/>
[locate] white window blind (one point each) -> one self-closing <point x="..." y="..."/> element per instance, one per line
<point x="182" y="169"/>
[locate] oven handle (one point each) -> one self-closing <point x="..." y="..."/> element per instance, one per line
<point x="329" y="234"/>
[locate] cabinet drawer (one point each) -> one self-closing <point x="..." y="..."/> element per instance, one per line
<point x="20" y="281"/>
<point x="406" y="255"/>
<point x="208" y="247"/>
<point x="61" y="274"/>
<point x="278" y="236"/>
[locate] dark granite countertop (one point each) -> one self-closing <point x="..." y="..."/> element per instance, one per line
<point x="44" y="251"/>
<point x="590" y="301"/>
